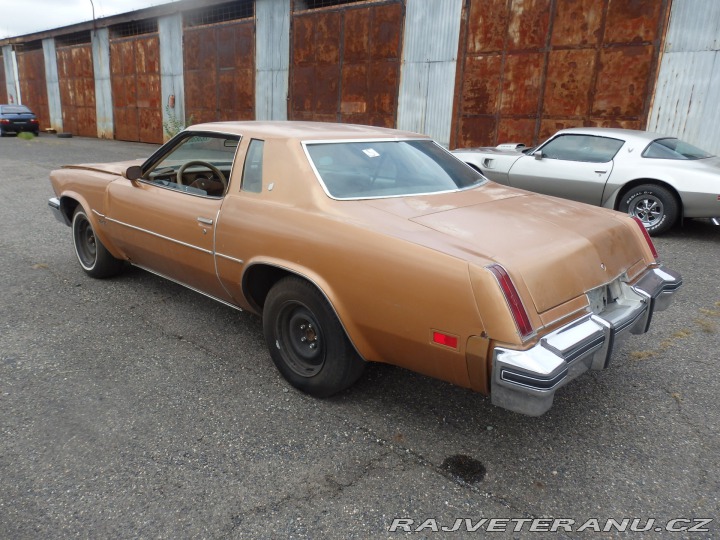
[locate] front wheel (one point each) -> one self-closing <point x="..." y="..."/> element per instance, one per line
<point x="92" y="255"/>
<point x="654" y="205"/>
<point x="307" y="343"/>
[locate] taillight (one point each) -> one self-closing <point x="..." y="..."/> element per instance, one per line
<point x="522" y="321"/>
<point x="647" y="236"/>
<point x="4" y="121"/>
<point x="33" y="121"/>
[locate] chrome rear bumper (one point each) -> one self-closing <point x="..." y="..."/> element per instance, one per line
<point x="526" y="381"/>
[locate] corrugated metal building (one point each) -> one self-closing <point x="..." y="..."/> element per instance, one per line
<point x="468" y="72"/>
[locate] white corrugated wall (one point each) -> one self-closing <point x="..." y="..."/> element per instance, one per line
<point x="272" y="58"/>
<point x="427" y="80"/>
<point x="688" y="87"/>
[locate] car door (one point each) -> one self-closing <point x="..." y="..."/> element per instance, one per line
<point x="165" y="221"/>
<point x="571" y="166"/>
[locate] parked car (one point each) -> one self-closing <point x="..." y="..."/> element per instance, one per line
<point x="656" y="178"/>
<point x="358" y="244"/>
<point x="16" y="119"/>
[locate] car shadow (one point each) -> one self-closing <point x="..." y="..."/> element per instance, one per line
<point x="696" y="229"/>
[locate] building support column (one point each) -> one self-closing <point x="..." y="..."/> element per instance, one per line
<point x="103" y="88"/>
<point x="272" y="59"/>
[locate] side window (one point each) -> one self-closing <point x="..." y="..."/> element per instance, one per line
<point x="252" y="172"/>
<point x="199" y="164"/>
<point x="587" y="148"/>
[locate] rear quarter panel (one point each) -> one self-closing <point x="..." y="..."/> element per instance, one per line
<point x="389" y="294"/>
<point x="494" y="164"/>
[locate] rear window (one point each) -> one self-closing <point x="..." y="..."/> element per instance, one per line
<point x="388" y="168"/>
<point x="15" y="109"/>
<point x="673" y="149"/>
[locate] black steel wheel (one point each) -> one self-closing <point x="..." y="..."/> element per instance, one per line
<point x="654" y="205"/>
<point x="92" y="255"/>
<point x="306" y="340"/>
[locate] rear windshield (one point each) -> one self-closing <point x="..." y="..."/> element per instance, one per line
<point x="389" y="168"/>
<point x="15" y="109"/>
<point x="674" y="149"/>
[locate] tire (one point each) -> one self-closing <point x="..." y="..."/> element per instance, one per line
<point x="306" y="341"/>
<point x="654" y="205"/>
<point x="92" y="255"/>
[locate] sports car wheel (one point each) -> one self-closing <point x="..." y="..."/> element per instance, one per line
<point x="654" y="205"/>
<point x="94" y="258"/>
<point x="306" y="340"/>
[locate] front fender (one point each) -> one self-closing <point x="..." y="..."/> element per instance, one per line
<point x="69" y="201"/>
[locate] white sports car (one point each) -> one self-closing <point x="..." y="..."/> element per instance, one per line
<point x="655" y="178"/>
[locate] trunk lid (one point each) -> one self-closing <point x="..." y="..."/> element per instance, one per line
<point x="558" y="249"/>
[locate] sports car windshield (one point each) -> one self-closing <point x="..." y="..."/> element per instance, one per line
<point x="388" y="168"/>
<point x="673" y="149"/>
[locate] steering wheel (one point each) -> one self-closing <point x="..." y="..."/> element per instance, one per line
<point x="217" y="172"/>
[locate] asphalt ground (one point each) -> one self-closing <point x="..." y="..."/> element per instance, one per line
<point x="135" y="408"/>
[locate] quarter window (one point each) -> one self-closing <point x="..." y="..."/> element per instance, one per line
<point x="252" y="173"/>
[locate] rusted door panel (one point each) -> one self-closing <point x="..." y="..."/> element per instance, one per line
<point x="220" y="71"/>
<point x="346" y="64"/>
<point x="135" y="80"/>
<point x="528" y="68"/>
<point x="77" y="89"/>
<point x="33" y="87"/>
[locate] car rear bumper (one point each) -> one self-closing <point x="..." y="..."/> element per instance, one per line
<point x="526" y="381"/>
<point x="19" y="128"/>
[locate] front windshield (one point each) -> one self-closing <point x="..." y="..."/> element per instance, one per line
<point x="673" y="149"/>
<point x="388" y="168"/>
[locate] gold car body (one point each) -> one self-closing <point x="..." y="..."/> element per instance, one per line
<point x="398" y="271"/>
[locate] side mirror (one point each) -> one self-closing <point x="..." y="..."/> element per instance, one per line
<point x="133" y="173"/>
<point x="538" y="154"/>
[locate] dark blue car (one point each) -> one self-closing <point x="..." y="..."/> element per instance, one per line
<point x="17" y="118"/>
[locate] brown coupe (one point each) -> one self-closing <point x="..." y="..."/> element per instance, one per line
<point x="360" y="244"/>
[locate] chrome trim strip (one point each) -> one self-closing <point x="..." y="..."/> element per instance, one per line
<point x="229" y="258"/>
<point x="189" y="287"/>
<point x="151" y="233"/>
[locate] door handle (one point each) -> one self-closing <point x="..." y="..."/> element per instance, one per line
<point x="601" y="172"/>
<point x="205" y="221"/>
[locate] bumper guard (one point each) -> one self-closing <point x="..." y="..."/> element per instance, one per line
<point x="526" y="381"/>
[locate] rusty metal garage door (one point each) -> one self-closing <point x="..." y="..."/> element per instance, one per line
<point x="530" y="67"/>
<point x="219" y="63"/>
<point x="135" y="75"/>
<point x="77" y="84"/>
<point x="31" y="75"/>
<point x="346" y="63"/>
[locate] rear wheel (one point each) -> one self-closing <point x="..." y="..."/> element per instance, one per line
<point x="306" y="340"/>
<point x="92" y="255"/>
<point x="654" y="205"/>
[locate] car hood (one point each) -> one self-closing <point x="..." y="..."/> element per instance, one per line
<point x="116" y="168"/>
<point x="559" y="249"/>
